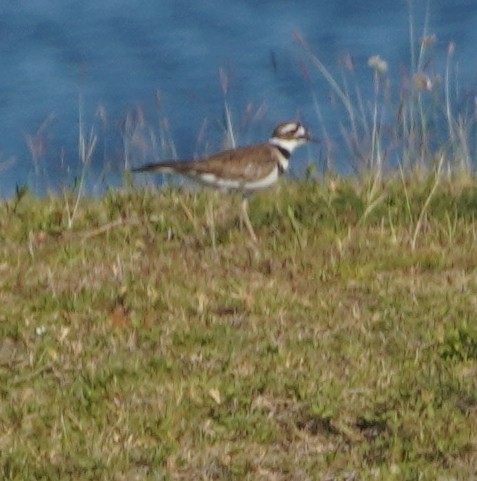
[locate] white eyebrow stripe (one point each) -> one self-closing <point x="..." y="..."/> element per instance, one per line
<point x="288" y="128"/>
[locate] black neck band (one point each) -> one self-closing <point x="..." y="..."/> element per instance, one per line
<point x="286" y="153"/>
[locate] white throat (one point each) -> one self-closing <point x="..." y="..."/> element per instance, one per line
<point x="286" y="144"/>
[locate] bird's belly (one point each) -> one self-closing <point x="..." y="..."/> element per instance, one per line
<point x="237" y="184"/>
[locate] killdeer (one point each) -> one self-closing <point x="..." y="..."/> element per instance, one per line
<point x="245" y="169"/>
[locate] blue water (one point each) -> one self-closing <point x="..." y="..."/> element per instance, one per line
<point x="148" y="71"/>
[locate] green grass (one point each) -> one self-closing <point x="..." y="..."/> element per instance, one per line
<point x="153" y="340"/>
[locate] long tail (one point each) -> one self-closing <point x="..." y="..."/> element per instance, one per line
<point x="168" y="167"/>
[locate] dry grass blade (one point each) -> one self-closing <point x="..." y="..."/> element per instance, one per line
<point x="437" y="177"/>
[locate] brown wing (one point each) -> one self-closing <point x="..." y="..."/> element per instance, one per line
<point x="245" y="163"/>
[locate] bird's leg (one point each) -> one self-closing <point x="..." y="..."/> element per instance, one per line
<point x="246" y="220"/>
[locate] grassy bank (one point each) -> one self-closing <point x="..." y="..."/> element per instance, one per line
<point x="153" y="340"/>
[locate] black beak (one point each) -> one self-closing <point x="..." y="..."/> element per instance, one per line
<point x="309" y="138"/>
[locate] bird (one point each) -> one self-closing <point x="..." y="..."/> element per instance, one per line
<point x="244" y="169"/>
